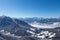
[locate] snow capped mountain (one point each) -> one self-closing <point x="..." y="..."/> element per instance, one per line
<point x="14" y="26"/>
<point x="41" y="25"/>
<point x="33" y="28"/>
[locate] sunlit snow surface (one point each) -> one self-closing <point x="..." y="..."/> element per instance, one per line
<point x="41" y="25"/>
<point x="43" y="34"/>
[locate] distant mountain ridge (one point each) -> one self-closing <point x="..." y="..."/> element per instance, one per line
<point x="41" y="20"/>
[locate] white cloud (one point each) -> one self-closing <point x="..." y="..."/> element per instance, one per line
<point x="40" y="25"/>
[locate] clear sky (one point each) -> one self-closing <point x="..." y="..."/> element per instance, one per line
<point x="30" y="8"/>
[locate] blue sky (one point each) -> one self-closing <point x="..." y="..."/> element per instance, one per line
<point x="30" y="8"/>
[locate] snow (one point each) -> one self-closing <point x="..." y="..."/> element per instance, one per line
<point x="2" y="31"/>
<point x="30" y="32"/>
<point x="43" y="34"/>
<point x="32" y="29"/>
<point x="8" y="34"/>
<point x="52" y="35"/>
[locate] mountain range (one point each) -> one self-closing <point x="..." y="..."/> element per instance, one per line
<point x="28" y="28"/>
